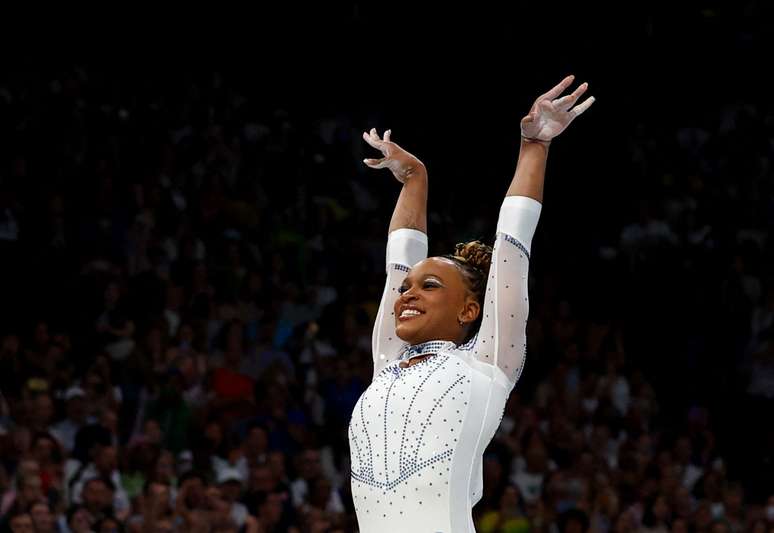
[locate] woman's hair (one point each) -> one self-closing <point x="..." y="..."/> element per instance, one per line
<point x="473" y="258"/>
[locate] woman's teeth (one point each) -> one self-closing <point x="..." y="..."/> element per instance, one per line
<point x="409" y="312"/>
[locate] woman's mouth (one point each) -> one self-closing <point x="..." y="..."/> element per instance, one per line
<point x="408" y="314"/>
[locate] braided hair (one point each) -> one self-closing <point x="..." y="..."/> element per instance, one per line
<point x="473" y="259"/>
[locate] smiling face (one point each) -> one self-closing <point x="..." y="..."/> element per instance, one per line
<point x="434" y="299"/>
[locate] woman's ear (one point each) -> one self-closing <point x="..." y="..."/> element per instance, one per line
<point x="470" y="310"/>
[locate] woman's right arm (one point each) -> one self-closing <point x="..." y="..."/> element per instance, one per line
<point x="406" y="242"/>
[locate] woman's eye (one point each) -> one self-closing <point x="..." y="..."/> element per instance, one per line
<point x="402" y="289"/>
<point x="430" y="285"/>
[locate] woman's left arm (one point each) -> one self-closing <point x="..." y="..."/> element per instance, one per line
<point x="502" y="336"/>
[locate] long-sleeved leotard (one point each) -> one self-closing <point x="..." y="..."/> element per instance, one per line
<point x="417" y="434"/>
<point x="501" y="340"/>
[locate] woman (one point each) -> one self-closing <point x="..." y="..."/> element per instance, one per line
<point x="448" y="343"/>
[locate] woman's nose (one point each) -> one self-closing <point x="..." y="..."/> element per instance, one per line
<point x="407" y="295"/>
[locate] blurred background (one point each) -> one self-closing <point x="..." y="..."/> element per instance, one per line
<point x="192" y="253"/>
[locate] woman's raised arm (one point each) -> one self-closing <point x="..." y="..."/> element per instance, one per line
<point x="406" y="242"/>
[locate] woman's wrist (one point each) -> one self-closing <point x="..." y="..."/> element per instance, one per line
<point x="414" y="171"/>
<point x="534" y="140"/>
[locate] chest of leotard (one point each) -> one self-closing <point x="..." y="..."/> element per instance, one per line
<point x="405" y="426"/>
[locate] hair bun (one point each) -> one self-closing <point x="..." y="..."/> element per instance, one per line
<point x="475" y="253"/>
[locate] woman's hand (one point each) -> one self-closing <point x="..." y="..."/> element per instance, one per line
<point x="402" y="164"/>
<point x="550" y="115"/>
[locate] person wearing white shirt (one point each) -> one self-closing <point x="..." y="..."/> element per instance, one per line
<point x="449" y="342"/>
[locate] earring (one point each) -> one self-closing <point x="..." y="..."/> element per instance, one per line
<point x="462" y="324"/>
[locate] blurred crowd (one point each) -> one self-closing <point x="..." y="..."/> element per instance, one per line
<point x="189" y="279"/>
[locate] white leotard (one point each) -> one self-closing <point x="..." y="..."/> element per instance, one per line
<point x="417" y="434"/>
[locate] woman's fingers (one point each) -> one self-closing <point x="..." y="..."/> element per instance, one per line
<point x="551" y="113"/>
<point x="583" y="106"/>
<point x="558" y="88"/>
<point x="383" y="145"/>
<point x="579" y="91"/>
<point x="373" y="139"/>
<point x="566" y="102"/>
<point x="376" y="163"/>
